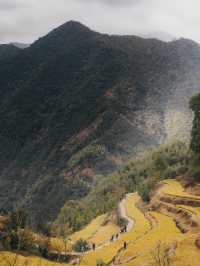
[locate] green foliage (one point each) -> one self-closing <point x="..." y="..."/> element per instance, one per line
<point x="17" y="220"/>
<point x="26" y="240"/>
<point x="139" y="175"/>
<point x="145" y="187"/>
<point x="81" y="246"/>
<point x="101" y="263"/>
<point x="195" y="140"/>
<point x="75" y="214"/>
<point x="92" y="152"/>
<point x="122" y="222"/>
<point x="56" y="103"/>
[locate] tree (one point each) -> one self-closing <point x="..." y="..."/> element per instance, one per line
<point x="65" y="231"/>
<point x="195" y="136"/>
<point x="17" y="220"/>
<point x="26" y="240"/>
<point x="162" y="254"/>
<point x="81" y="246"/>
<point x="101" y="263"/>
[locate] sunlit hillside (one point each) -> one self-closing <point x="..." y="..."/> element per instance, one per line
<point x="154" y="234"/>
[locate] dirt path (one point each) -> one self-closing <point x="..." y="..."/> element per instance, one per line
<point x="123" y="213"/>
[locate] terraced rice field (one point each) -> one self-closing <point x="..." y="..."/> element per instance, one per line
<point x="87" y="233"/>
<point x="174" y="188"/>
<point x="11" y="259"/>
<point x="151" y="230"/>
<point x="110" y="251"/>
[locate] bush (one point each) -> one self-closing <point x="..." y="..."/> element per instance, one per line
<point x="194" y="173"/>
<point x="145" y="187"/>
<point x="81" y="246"/>
<point x="26" y="240"/>
<point x="101" y="263"/>
<point x="122" y="222"/>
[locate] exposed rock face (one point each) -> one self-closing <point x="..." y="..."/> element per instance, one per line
<point x="76" y="104"/>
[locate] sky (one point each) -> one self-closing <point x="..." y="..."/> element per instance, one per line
<point x="27" y="20"/>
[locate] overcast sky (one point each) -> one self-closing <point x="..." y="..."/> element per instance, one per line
<point x="26" y="20"/>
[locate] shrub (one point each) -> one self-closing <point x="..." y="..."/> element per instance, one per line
<point x="145" y="187"/>
<point x="101" y="263"/>
<point x="26" y="240"/>
<point x="194" y="173"/>
<point x="81" y="246"/>
<point x="122" y="222"/>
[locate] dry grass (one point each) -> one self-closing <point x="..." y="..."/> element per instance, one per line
<point x="142" y="240"/>
<point x="140" y="228"/>
<point x="174" y="188"/>
<point x="11" y="259"/>
<point x="87" y="233"/>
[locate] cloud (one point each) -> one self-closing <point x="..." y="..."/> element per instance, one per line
<point x="114" y="2"/>
<point x="26" y="20"/>
<point x="9" y="5"/>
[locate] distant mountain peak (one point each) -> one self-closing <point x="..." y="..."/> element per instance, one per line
<point x="73" y="26"/>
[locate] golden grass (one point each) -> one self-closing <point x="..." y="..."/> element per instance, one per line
<point x="104" y="234"/>
<point x="141" y="226"/>
<point x="174" y="188"/>
<point x="193" y="210"/>
<point x="89" y="230"/>
<point x="165" y="231"/>
<point x="8" y="259"/>
<point x="87" y="233"/>
<point x="142" y="239"/>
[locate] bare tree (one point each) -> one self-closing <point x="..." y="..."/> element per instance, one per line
<point x="162" y="254"/>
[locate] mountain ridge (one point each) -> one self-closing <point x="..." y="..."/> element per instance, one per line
<point x="76" y="104"/>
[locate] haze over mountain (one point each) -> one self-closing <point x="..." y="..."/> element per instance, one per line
<point x="21" y="45"/>
<point x="76" y="104"/>
<point x="160" y="35"/>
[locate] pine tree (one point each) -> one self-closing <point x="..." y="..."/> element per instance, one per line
<point x="195" y="136"/>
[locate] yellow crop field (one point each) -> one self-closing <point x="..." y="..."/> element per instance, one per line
<point x="150" y="231"/>
<point x="194" y="210"/>
<point x="165" y="231"/>
<point x="89" y="230"/>
<point x="87" y="233"/>
<point x="141" y="226"/>
<point x="11" y="259"/>
<point x="104" y="234"/>
<point x="174" y="188"/>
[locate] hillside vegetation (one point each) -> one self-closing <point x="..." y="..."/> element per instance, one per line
<point x="140" y="174"/>
<point x="76" y="104"/>
<point x="156" y="235"/>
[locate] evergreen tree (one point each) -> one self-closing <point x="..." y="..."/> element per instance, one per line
<point x="195" y="137"/>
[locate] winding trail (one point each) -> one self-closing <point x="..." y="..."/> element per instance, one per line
<point x="123" y="213"/>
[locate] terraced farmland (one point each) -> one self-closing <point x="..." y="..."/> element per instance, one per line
<point x="163" y="229"/>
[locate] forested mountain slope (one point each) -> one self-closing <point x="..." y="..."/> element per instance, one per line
<point x="76" y="104"/>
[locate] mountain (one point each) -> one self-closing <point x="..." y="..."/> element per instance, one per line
<point x="160" y="35"/>
<point x="77" y="104"/>
<point x="21" y="45"/>
<point x="7" y="51"/>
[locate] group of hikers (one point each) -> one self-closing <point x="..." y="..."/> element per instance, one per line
<point x="115" y="237"/>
